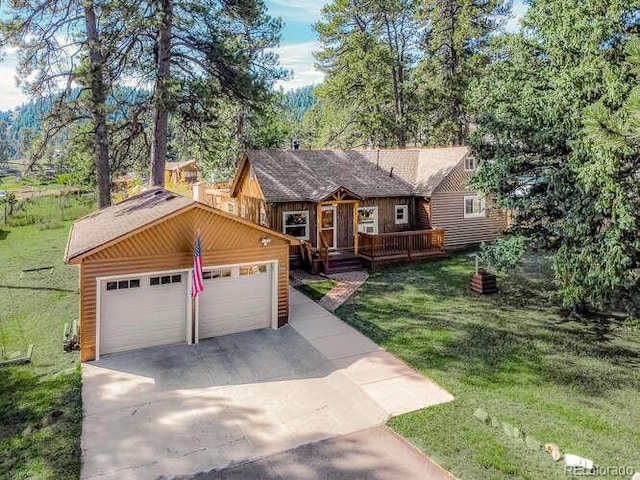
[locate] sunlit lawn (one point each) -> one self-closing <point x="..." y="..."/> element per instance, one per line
<point x="40" y="403"/>
<point x="513" y="354"/>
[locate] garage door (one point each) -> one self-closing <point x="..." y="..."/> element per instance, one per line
<point x="143" y="312"/>
<point x="235" y="299"/>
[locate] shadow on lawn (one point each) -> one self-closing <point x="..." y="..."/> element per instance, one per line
<point x="434" y="321"/>
<point x="47" y="289"/>
<point x="40" y="424"/>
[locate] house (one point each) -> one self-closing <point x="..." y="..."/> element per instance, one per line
<point x="136" y="266"/>
<point x="217" y="195"/>
<point x="181" y="172"/>
<point x="379" y="204"/>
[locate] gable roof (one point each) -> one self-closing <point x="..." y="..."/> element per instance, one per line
<point x="110" y="224"/>
<point x="312" y="175"/>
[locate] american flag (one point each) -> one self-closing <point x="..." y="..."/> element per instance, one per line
<point x="197" y="285"/>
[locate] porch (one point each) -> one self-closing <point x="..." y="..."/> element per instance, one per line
<point x="374" y="251"/>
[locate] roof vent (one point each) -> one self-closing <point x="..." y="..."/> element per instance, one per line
<point x="391" y="172"/>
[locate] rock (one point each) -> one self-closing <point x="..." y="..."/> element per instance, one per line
<point x="571" y="460"/>
<point x="52" y="417"/>
<point x="636" y="476"/>
<point x="481" y="415"/>
<point x="511" y="431"/>
<point x="553" y="450"/>
<point x="495" y="423"/>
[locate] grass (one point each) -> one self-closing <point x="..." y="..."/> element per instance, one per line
<point x="316" y="290"/>
<point x="40" y="403"/>
<point x="514" y="354"/>
<point x="50" y="211"/>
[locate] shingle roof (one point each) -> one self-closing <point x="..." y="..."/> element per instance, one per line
<point x="176" y="165"/>
<point x="112" y="222"/>
<point x="311" y="175"/>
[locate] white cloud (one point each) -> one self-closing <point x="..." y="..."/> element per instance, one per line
<point x="518" y="10"/>
<point x="307" y="11"/>
<point x="298" y="57"/>
<point x="10" y="94"/>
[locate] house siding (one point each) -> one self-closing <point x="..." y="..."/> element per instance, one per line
<point x="423" y="213"/>
<point x="447" y="212"/>
<point x="169" y="246"/>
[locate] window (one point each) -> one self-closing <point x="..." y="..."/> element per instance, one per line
<point x="243" y="211"/>
<point x="296" y="224"/>
<point x="470" y="163"/>
<point x="165" y="280"/>
<point x="474" y="206"/>
<point x="253" y="270"/>
<point x="368" y="220"/>
<point x="263" y="216"/>
<point x="123" y="284"/>
<point x="216" y="274"/>
<point x="191" y="174"/>
<point x="231" y="207"/>
<point x="206" y="275"/>
<point x="402" y="214"/>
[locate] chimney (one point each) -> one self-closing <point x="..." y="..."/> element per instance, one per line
<point x="295" y="144"/>
<point x="391" y="172"/>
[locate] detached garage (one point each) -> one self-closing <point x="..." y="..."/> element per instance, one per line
<point x="136" y="271"/>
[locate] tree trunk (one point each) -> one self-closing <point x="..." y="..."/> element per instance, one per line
<point x="161" y="95"/>
<point x="98" y="101"/>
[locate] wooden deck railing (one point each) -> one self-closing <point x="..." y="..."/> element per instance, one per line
<point x="324" y="252"/>
<point x="401" y="245"/>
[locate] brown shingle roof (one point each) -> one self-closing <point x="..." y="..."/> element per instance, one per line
<point x="311" y="175"/>
<point x="113" y="222"/>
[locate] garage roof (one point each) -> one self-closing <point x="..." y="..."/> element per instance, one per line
<point x="144" y="210"/>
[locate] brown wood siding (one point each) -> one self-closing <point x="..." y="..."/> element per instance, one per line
<point x="344" y="211"/>
<point x="275" y="217"/>
<point x="448" y="213"/>
<point x="169" y="246"/>
<point x="387" y="213"/>
<point x="423" y="214"/>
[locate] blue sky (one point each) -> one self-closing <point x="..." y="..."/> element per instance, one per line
<point x="296" y="49"/>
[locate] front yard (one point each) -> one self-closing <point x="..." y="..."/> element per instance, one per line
<point x="513" y="354"/>
<point x="40" y="403"/>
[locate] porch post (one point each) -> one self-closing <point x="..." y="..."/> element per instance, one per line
<point x="355" y="227"/>
<point x="318" y="224"/>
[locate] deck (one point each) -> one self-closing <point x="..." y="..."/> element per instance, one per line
<point x="399" y="247"/>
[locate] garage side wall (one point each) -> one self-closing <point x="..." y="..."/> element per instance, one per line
<point x="169" y="246"/>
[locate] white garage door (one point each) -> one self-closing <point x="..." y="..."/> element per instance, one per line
<point x="236" y="299"/>
<point x="143" y="311"/>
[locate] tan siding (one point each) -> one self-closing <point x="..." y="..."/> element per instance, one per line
<point x="456" y="181"/>
<point x="448" y="213"/>
<point x="345" y="225"/>
<point x="169" y="246"/>
<point x="250" y="197"/>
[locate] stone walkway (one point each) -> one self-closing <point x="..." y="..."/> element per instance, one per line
<point x="347" y="284"/>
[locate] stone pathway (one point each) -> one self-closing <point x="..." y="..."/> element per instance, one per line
<point x="346" y="285"/>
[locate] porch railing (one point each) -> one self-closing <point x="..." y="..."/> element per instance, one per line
<point x="410" y="245"/>
<point x="324" y="253"/>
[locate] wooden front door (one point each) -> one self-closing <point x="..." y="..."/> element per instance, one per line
<point x="328" y="226"/>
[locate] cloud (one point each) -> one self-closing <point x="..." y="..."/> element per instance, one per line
<point x="298" y="57"/>
<point x="307" y="11"/>
<point x="518" y="11"/>
<point x="10" y="94"/>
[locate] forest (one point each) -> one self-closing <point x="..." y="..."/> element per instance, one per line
<point x="552" y="112"/>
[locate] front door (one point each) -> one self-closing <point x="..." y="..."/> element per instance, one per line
<point x="328" y="227"/>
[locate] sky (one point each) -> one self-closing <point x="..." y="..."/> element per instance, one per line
<point x="296" y="48"/>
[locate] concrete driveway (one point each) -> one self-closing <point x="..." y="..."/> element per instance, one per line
<point x="230" y="400"/>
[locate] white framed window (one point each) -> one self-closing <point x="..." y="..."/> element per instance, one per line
<point x="231" y="207"/>
<point x="296" y="224"/>
<point x="191" y="174"/>
<point x="402" y="214"/>
<point x="263" y="217"/>
<point x="474" y="206"/>
<point x="368" y="220"/>
<point x="470" y="163"/>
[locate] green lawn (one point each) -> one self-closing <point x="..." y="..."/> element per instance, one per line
<point x="316" y="290"/>
<point x="40" y="403"/>
<point x="513" y="354"/>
